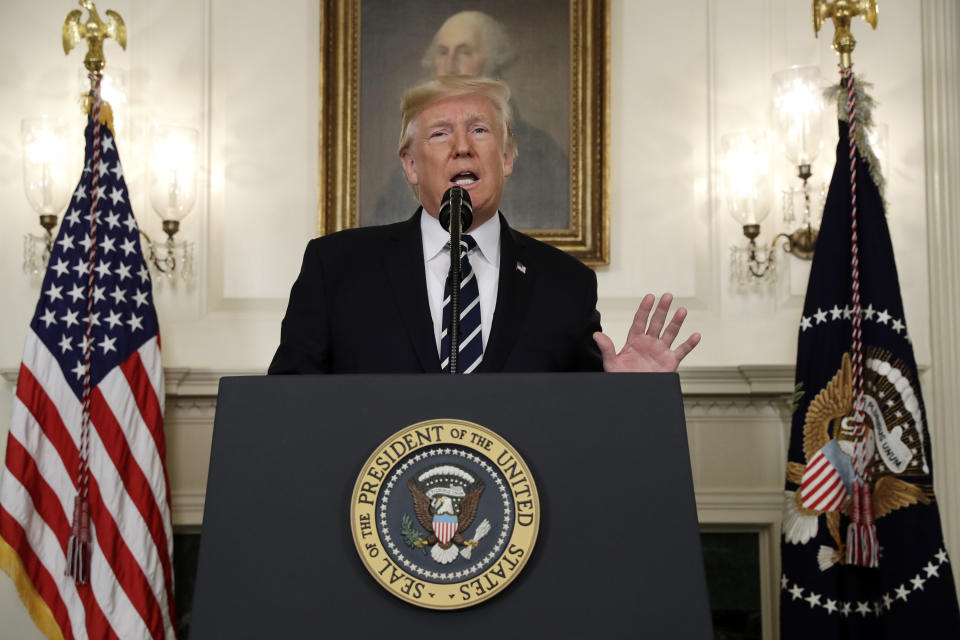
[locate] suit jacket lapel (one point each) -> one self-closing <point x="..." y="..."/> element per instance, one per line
<point x="403" y="264"/>
<point x="513" y="299"/>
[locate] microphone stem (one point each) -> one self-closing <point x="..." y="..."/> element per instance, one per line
<point x="455" y="276"/>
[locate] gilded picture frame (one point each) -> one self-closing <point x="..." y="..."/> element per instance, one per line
<point x="360" y="112"/>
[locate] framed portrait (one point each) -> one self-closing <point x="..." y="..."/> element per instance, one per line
<point x="553" y="54"/>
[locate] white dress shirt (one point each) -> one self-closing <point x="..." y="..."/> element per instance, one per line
<point x="484" y="260"/>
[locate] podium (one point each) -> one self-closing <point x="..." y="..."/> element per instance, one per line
<point x="618" y="552"/>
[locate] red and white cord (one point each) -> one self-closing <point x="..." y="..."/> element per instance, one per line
<point x="78" y="547"/>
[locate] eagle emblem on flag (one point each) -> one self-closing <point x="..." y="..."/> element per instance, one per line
<point x="892" y="441"/>
<point x="445" y="501"/>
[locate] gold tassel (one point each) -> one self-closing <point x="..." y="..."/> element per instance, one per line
<point x="106" y="112"/>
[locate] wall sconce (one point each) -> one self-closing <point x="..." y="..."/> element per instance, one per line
<point x="746" y="178"/>
<point x="45" y="180"/>
<point x="798" y="118"/>
<point x="172" y="169"/>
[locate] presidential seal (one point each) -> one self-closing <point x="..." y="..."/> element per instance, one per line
<point x="444" y="514"/>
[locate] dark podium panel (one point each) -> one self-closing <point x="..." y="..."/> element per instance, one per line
<point x="618" y="552"/>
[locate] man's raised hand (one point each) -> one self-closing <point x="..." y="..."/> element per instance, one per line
<point x="649" y="346"/>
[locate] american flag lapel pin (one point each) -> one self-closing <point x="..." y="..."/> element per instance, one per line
<point x="522" y="268"/>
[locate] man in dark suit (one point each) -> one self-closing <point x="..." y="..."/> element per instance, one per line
<point x="371" y="300"/>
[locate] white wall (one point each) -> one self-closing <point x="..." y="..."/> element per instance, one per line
<point x="683" y="73"/>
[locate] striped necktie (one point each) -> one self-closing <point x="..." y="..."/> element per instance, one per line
<point x="471" y="340"/>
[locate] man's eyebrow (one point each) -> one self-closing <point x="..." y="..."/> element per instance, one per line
<point x="469" y="118"/>
<point x="478" y="117"/>
<point x="440" y="122"/>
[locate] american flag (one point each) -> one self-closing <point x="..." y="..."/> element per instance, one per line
<point x="129" y="591"/>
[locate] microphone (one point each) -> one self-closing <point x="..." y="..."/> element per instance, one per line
<point x="456" y="199"/>
<point x="456" y="216"/>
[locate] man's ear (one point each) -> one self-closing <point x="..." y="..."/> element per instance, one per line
<point x="507" y="163"/>
<point x="409" y="167"/>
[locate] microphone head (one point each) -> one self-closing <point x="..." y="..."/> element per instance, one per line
<point x="455" y="199"/>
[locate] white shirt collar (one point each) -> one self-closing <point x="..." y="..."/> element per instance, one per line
<point x="435" y="238"/>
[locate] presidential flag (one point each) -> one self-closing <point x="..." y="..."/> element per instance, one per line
<point x="92" y="355"/>
<point x="862" y="550"/>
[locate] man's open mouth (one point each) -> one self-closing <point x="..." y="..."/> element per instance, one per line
<point x="464" y="178"/>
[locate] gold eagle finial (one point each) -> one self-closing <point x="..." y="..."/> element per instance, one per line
<point x="94" y="30"/>
<point x="842" y="12"/>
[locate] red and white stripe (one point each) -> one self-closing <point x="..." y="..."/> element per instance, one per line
<point x="445" y="531"/>
<point x="821" y="487"/>
<point x="129" y="593"/>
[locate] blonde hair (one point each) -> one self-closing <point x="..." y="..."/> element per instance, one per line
<point x="420" y="96"/>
